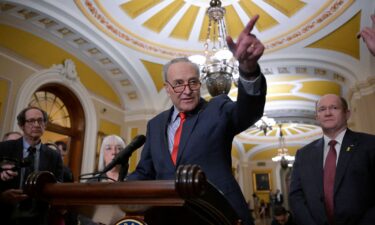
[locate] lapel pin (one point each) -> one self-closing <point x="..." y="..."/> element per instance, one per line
<point x="349" y="148"/>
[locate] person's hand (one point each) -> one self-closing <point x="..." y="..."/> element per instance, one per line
<point x="248" y="48"/>
<point x="368" y="35"/>
<point x="7" y="173"/>
<point x="12" y="196"/>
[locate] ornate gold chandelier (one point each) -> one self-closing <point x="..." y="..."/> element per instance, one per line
<point x="218" y="66"/>
<point x="282" y="152"/>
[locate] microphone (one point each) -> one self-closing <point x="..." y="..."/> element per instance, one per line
<point x="125" y="154"/>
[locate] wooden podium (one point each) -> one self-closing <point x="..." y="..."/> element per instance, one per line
<point x="189" y="199"/>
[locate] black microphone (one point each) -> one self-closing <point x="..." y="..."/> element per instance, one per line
<point x="125" y="154"/>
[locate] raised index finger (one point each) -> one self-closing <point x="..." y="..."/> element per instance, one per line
<point x="250" y="25"/>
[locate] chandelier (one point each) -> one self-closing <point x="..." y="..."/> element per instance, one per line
<point x="218" y="66"/>
<point x="265" y="124"/>
<point x="282" y="152"/>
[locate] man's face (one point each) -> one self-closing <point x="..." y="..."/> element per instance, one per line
<point x="282" y="219"/>
<point x="34" y="126"/>
<point x="182" y="73"/>
<point x="330" y="113"/>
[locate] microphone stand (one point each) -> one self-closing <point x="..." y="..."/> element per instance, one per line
<point x="122" y="173"/>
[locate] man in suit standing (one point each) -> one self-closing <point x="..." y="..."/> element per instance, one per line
<point x="333" y="178"/>
<point x="209" y="127"/>
<point x="16" y="207"/>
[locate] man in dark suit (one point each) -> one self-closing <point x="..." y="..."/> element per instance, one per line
<point x="15" y="206"/>
<point x="333" y="178"/>
<point x="207" y="134"/>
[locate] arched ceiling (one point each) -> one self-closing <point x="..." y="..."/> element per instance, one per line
<point x="311" y="49"/>
<point x="168" y="28"/>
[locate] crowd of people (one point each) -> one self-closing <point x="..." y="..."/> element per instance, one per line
<point x="333" y="179"/>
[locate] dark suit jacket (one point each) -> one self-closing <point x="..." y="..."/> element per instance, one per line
<point x="206" y="141"/>
<point x="50" y="160"/>
<point x="354" y="189"/>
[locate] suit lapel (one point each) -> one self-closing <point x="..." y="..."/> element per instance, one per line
<point x="317" y="160"/>
<point x="188" y="128"/>
<point x="164" y="136"/>
<point x="347" y="150"/>
<point x="43" y="159"/>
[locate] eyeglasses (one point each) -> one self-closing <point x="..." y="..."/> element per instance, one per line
<point x="330" y="108"/>
<point x="40" y="121"/>
<point x="179" y="88"/>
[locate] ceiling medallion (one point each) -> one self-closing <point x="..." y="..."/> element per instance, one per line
<point x="112" y="19"/>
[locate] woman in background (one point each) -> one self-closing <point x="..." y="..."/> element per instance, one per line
<point x="111" y="146"/>
<point x="107" y="214"/>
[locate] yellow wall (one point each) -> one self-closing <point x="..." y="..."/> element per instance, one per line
<point x="108" y="127"/>
<point x="46" y="54"/>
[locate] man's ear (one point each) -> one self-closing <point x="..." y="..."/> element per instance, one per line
<point x="348" y="114"/>
<point x="167" y="89"/>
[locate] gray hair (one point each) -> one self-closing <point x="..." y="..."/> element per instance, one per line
<point x="118" y="140"/>
<point x="177" y="60"/>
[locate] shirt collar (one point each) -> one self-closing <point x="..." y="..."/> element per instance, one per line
<point x="338" y="138"/>
<point x="174" y="114"/>
<point x="26" y="145"/>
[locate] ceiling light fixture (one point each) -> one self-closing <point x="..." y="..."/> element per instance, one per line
<point x="265" y="124"/>
<point x="218" y="66"/>
<point x="282" y="152"/>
